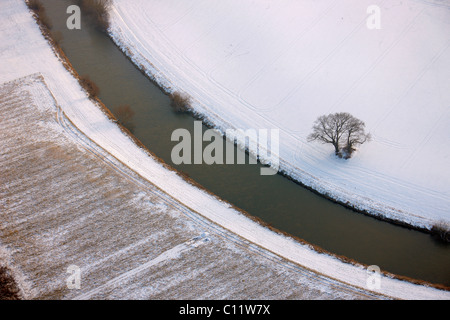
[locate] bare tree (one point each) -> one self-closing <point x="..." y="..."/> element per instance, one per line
<point x="98" y="11"/>
<point x="334" y="128"/>
<point x="441" y="229"/>
<point x="124" y="115"/>
<point x="90" y="86"/>
<point x="355" y="135"/>
<point x="180" y="102"/>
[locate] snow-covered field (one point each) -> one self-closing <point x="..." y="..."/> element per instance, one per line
<point x="281" y="64"/>
<point x="76" y="190"/>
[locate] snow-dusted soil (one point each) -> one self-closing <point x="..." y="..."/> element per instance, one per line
<point x="75" y="190"/>
<point x="281" y="64"/>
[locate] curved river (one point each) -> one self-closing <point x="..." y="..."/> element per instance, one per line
<point x="275" y="199"/>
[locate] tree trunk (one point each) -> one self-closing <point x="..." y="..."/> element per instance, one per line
<point x="336" y="148"/>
